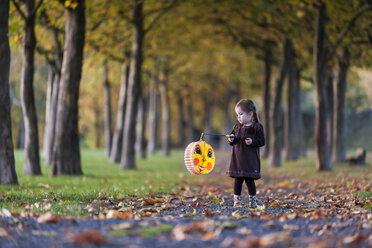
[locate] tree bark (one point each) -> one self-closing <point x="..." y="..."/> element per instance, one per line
<point x="97" y="126"/>
<point x="290" y="127"/>
<point x="339" y="152"/>
<point x="49" y="133"/>
<point x="323" y="161"/>
<point x="190" y="120"/>
<point x="108" y="122"/>
<point x="276" y="112"/>
<point x="165" y="113"/>
<point x="21" y="133"/>
<point x="134" y="89"/>
<point x="7" y="167"/>
<point x="140" y="129"/>
<point x="48" y="104"/>
<point x="32" y="158"/>
<point x="299" y="140"/>
<point x="153" y="119"/>
<point x="266" y="99"/>
<point x="66" y="151"/>
<point x="182" y="123"/>
<point x="330" y="100"/>
<point x="117" y="139"/>
<point x="51" y="111"/>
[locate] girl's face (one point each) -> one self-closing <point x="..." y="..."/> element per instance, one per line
<point x="243" y="117"/>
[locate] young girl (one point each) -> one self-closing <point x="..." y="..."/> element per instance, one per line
<point x="245" y="159"/>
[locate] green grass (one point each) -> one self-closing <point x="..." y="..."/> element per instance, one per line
<point x="304" y="169"/>
<point x="67" y="195"/>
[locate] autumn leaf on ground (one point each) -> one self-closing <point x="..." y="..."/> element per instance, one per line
<point x="89" y="236"/>
<point x="236" y="214"/>
<point x="48" y="218"/>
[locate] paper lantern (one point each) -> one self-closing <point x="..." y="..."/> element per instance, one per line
<point x="199" y="158"/>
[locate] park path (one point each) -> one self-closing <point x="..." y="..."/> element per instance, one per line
<point x="295" y="214"/>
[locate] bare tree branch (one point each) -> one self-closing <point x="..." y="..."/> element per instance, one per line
<point x="346" y="28"/>
<point x="37" y="6"/>
<point x="19" y="9"/>
<point x="157" y="18"/>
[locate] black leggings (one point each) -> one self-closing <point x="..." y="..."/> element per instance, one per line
<point x="239" y="183"/>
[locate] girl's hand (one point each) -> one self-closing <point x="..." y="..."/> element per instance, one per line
<point x="248" y="141"/>
<point x="230" y="140"/>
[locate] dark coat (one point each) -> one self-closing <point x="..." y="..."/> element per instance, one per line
<point x="245" y="159"/>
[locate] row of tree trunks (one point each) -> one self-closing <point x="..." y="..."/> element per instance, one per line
<point x="323" y="161"/>
<point x="66" y="151"/>
<point x="107" y="111"/>
<point x="117" y="140"/>
<point x="7" y="167"/>
<point x="339" y="152"/>
<point x="275" y="110"/>
<point x="134" y="89"/>
<point x="32" y="159"/>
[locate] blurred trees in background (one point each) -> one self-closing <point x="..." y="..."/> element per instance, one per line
<point x="176" y="68"/>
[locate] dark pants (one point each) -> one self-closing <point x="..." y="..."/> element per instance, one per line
<point x="239" y="183"/>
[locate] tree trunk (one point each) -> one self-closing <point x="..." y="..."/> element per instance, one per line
<point x="181" y="121"/>
<point x="49" y="133"/>
<point x="323" y="161"/>
<point x="276" y="112"/>
<point x="21" y="133"/>
<point x="140" y="129"/>
<point x="97" y="126"/>
<point x="190" y="120"/>
<point x="32" y="158"/>
<point x="134" y="89"/>
<point x="51" y="108"/>
<point x="226" y="122"/>
<point x="153" y="119"/>
<point x="290" y="127"/>
<point x="330" y="100"/>
<point x="165" y="112"/>
<point x="117" y="139"/>
<point x="209" y="108"/>
<point x="299" y="140"/>
<point x="7" y="168"/>
<point x="66" y="151"/>
<point x="108" y="123"/>
<point x="339" y="152"/>
<point x="266" y="101"/>
<point x="48" y="104"/>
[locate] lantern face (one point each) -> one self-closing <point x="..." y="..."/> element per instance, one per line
<point x="199" y="158"/>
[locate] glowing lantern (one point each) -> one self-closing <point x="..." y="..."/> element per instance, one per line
<point x="199" y="158"/>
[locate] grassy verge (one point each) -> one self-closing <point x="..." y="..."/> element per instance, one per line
<point x="67" y="195"/>
<point x="304" y="169"/>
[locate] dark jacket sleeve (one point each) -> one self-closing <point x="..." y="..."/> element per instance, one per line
<point x="259" y="139"/>
<point x="235" y="139"/>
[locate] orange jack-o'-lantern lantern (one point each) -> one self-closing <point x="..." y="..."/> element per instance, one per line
<point x="199" y="158"/>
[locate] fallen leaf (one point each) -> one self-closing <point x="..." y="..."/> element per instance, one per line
<point x="147" y="202"/>
<point x="236" y="214"/>
<point x="48" y="218"/>
<point x="89" y="236"/>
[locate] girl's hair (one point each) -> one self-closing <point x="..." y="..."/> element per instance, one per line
<point x="247" y="106"/>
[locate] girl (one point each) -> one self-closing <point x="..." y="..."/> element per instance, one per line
<point x="245" y="159"/>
